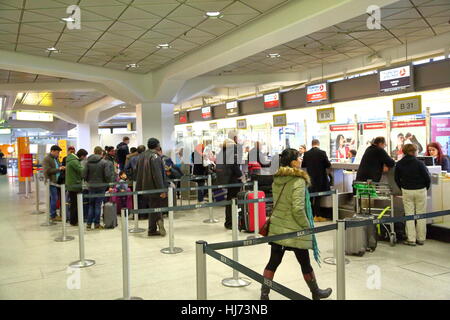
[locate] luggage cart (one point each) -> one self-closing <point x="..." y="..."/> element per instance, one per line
<point x="374" y="191"/>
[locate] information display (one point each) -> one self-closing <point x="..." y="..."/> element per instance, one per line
<point x="272" y="101"/>
<point x="183" y="117"/>
<point x="207" y="113"/>
<point x="394" y="79"/>
<point x="404" y="132"/>
<point x="342" y="140"/>
<point x="232" y="108"/>
<point x="317" y="93"/>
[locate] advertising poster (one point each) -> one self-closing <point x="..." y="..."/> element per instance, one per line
<point x="342" y="140"/>
<point x="440" y="132"/>
<point x="370" y="131"/>
<point x="404" y="132"/>
<point x="26" y="165"/>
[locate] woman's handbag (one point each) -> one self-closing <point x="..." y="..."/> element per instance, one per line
<point x="264" y="231"/>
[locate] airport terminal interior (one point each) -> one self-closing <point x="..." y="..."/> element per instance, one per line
<point x="133" y="130"/>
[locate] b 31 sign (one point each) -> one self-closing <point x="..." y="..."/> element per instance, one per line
<point x="407" y="106"/>
<point x="326" y="115"/>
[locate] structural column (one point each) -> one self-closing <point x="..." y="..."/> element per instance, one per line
<point x="156" y="120"/>
<point x="88" y="137"/>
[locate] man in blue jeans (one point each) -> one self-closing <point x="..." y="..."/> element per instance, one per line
<point x="52" y="170"/>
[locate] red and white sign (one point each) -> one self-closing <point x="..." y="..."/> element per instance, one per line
<point x="406" y="124"/>
<point x="272" y="100"/>
<point x="344" y="127"/>
<point x="374" y="126"/>
<point x="183" y="117"/>
<point x="206" y="113"/>
<point x="316" y="93"/>
<point x="26" y="165"/>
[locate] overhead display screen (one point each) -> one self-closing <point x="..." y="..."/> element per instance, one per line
<point x="206" y="113"/>
<point x="399" y="78"/>
<point x="272" y="101"/>
<point x="183" y="117"/>
<point x="317" y="93"/>
<point x="232" y="108"/>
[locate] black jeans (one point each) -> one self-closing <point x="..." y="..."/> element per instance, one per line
<point x="277" y="253"/>
<point x="73" y="216"/>
<point x="315" y="204"/>
<point x="232" y="194"/>
<point x="200" y="193"/>
<point x="154" y="201"/>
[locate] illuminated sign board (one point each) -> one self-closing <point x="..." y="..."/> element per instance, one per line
<point x="183" y="117"/>
<point x="317" y="93"/>
<point x="232" y="108"/>
<point x="394" y="79"/>
<point x="206" y="113"/>
<point x="34" y="116"/>
<point x="272" y="101"/>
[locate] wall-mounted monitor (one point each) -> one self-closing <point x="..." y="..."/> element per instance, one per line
<point x="207" y="113"/>
<point x="232" y="108"/>
<point x="317" y="93"/>
<point x="272" y="101"/>
<point x="396" y="79"/>
<point x="183" y="117"/>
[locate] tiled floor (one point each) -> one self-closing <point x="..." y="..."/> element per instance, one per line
<point x="34" y="266"/>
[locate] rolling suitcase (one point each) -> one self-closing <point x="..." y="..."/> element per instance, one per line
<point x="110" y="215"/>
<point x="246" y="211"/>
<point x="360" y="239"/>
<point x="219" y="195"/>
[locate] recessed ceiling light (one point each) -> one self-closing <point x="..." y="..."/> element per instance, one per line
<point x="213" y="14"/>
<point x="163" y="46"/>
<point x="52" y="49"/>
<point x="122" y="107"/>
<point x="68" y="19"/>
<point x="273" y="55"/>
<point x="132" y="65"/>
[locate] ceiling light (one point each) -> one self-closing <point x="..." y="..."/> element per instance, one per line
<point x="68" y="19"/>
<point x="163" y="46"/>
<point x="273" y="55"/>
<point x="213" y="14"/>
<point x="132" y="65"/>
<point x="52" y="49"/>
<point x="122" y="107"/>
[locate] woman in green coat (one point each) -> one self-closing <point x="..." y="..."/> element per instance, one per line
<point x="290" y="214"/>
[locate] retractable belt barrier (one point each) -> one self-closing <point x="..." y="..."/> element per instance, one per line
<point x="203" y="249"/>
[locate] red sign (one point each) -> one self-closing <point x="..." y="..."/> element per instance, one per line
<point x="379" y="125"/>
<point x="345" y="127"/>
<point x="26" y="165"/>
<point x="316" y="93"/>
<point x="405" y="124"/>
<point x="272" y="100"/>
<point x="183" y="117"/>
<point x="206" y="113"/>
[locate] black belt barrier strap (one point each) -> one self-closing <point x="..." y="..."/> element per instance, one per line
<point x="254" y="275"/>
<point x="181" y="208"/>
<point x="278" y="237"/>
<point x="223" y="186"/>
<point x="322" y="193"/>
<point x="119" y="194"/>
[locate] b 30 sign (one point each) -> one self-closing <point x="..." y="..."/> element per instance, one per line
<point x="280" y="120"/>
<point x="407" y="106"/>
<point x="325" y="115"/>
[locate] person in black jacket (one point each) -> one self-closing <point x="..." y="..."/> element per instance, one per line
<point x="199" y="169"/>
<point x="122" y="152"/>
<point x="373" y="161"/>
<point x="412" y="176"/>
<point x="316" y="163"/>
<point x="228" y="172"/>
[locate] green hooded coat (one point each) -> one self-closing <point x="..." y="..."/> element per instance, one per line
<point x="74" y="171"/>
<point x="290" y="212"/>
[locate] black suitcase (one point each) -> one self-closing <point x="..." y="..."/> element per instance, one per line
<point x="3" y="169"/>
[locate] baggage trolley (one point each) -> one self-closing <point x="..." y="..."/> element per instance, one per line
<point x="373" y="192"/>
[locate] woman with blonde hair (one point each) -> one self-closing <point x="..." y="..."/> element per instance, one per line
<point x="292" y="212"/>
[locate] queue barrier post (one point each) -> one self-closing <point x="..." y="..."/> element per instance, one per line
<point x="210" y="200"/>
<point x="63" y="237"/>
<point x="235" y="281"/>
<point x="171" y="249"/>
<point x="335" y="202"/>
<point x="136" y="228"/>
<point x="47" y="196"/>
<point x="201" y="270"/>
<point x="27" y="187"/>
<point x="82" y="263"/>
<point x="126" y="259"/>
<point x="340" y="259"/>
<point x="255" y="212"/>
<point x="36" y="183"/>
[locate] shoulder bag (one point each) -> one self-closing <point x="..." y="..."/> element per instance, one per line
<point x="264" y="231"/>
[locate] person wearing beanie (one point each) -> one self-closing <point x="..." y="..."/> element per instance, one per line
<point x="150" y="175"/>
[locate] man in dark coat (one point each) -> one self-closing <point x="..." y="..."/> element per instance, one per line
<point x="316" y="163"/>
<point x="151" y="176"/>
<point x="373" y="161"/>
<point x="122" y="152"/>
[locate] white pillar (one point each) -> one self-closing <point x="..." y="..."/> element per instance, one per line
<point x="88" y="137"/>
<point x="156" y="120"/>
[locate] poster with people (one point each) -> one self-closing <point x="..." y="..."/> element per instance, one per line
<point x="440" y="132"/>
<point x="404" y="132"/>
<point x="342" y="138"/>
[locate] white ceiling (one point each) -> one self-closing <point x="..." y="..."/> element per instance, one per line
<point x="402" y="22"/>
<point x="115" y="33"/>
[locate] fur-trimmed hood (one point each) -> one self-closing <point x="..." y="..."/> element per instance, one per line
<point x="293" y="172"/>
